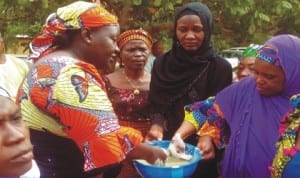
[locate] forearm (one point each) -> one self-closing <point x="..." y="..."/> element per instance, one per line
<point x="186" y="129"/>
<point x="208" y="120"/>
<point x="139" y="152"/>
<point x="158" y="120"/>
<point x="147" y="152"/>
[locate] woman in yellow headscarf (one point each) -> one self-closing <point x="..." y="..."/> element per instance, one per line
<point x="73" y="128"/>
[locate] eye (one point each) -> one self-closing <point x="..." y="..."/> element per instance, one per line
<point x="255" y="72"/>
<point x="251" y="68"/>
<point x="198" y="29"/>
<point x="130" y="50"/>
<point x="269" y="76"/>
<point x="241" y="67"/>
<point x="143" y="49"/>
<point x="182" y="29"/>
<point x="114" y="38"/>
<point x="16" y="117"/>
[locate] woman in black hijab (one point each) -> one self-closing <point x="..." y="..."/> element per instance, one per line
<point x="190" y="71"/>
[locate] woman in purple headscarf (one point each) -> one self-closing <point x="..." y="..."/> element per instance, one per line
<point x="252" y="108"/>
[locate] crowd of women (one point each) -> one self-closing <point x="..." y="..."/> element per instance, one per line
<point x="87" y="118"/>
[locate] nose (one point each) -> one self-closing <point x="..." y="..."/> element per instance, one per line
<point x="138" y="53"/>
<point x="190" y="34"/>
<point x="259" y="80"/>
<point x="116" y="52"/>
<point x="245" y="72"/>
<point x="117" y="49"/>
<point x="13" y="134"/>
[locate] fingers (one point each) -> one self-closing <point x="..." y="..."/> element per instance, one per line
<point x="158" y="155"/>
<point x="155" y="133"/>
<point x="152" y="137"/>
<point x="206" y="147"/>
<point x="207" y="154"/>
<point x="178" y="142"/>
<point x="177" y="145"/>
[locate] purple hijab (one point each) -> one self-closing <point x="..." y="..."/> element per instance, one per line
<point x="254" y="119"/>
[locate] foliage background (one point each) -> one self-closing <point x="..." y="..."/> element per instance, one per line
<point x="236" y="22"/>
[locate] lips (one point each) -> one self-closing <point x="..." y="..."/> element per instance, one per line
<point x="23" y="156"/>
<point x="139" y="62"/>
<point x="260" y="89"/>
<point x="190" y="45"/>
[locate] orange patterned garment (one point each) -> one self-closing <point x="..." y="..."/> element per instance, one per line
<point x="66" y="97"/>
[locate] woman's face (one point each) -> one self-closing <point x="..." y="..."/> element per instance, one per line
<point x="268" y="77"/>
<point x="134" y="54"/>
<point x="245" y="67"/>
<point x="103" y="46"/>
<point x="190" y="32"/>
<point x="15" y="147"/>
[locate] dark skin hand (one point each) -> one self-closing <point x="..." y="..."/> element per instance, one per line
<point x="148" y="153"/>
<point x="155" y="133"/>
<point x="206" y="146"/>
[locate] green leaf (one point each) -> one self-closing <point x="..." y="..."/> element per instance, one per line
<point x="137" y="2"/>
<point x="286" y="4"/>
<point x="170" y="6"/>
<point x="44" y="4"/>
<point x="297" y="21"/>
<point x="264" y="17"/>
<point x="178" y="1"/>
<point x="23" y="2"/>
<point x="157" y="3"/>
<point x="251" y="28"/>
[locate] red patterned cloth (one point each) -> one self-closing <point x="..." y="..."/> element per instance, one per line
<point x="66" y="97"/>
<point x="129" y="107"/>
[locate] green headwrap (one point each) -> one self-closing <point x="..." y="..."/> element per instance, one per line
<point x="251" y="51"/>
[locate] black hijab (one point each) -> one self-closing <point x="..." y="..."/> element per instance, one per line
<point x="174" y="71"/>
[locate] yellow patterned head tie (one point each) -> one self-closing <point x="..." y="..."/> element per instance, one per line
<point x="74" y="16"/>
<point x="137" y="34"/>
<point x="84" y="14"/>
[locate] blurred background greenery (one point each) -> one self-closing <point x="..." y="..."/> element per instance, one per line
<point x="236" y="22"/>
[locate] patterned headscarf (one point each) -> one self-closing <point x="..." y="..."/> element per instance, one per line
<point x="286" y="143"/>
<point x="269" y="54"/>
<point x="138" y="34"/>
<point x="71" y="17"/>
<point x="251" y="51"/>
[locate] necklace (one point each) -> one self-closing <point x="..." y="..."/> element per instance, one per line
<point x="136" y="90"/>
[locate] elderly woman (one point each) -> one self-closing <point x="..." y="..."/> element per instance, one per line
<point x="252" y="108"/>
<point x="73" y="128"/>
<point x="128" y="88"/>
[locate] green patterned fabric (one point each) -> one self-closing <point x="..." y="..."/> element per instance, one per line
<point x="251" y="51"/>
